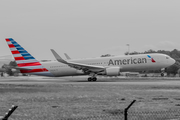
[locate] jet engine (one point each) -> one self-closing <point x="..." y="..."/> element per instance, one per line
<point x="113" y="71"/>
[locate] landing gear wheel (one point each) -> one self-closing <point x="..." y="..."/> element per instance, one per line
<point x="162" y="74"/>
<point x="94" y="78"/>
<point x="89" y="79"/>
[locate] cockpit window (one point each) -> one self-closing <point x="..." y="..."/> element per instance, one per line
<point x="167" y="57"/>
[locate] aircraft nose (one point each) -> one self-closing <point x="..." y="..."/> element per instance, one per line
<point x="172" y="61"/>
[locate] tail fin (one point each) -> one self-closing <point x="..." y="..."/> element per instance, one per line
<point x="25" y="61"/>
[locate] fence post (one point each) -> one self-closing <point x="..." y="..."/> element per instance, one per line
<point x="8" y="114"/>
<point x="126" y="110"/>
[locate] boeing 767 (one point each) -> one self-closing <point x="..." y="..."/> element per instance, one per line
<point x="106" y="66"/>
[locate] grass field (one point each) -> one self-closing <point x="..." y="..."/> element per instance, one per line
<point x="55" y="100"/>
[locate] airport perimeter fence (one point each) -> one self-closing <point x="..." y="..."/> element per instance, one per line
<point x="126" y="114"/>
<point x="173" y="114"/>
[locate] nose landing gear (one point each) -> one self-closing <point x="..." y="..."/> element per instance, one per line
<point x="162" y="72"/>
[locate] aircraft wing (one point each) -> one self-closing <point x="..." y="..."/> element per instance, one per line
<point x="79" y="66"/>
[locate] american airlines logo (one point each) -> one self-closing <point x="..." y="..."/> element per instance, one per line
<point x="151" y="58"/>
<point x="127" y="61"/>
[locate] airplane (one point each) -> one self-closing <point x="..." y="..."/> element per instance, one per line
<point x="106" y="66"/>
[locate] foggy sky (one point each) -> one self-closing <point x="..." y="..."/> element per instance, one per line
<point x="89" y="28"/>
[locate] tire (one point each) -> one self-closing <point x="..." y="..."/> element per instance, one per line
<point x="94" y="79"/>
<point x="162" y="74"/>
<point x="89" y="79"/>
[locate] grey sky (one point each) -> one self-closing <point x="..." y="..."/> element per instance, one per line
<point x="89" y="28"/>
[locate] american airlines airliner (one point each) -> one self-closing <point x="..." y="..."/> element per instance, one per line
<point x="106" y="66"/>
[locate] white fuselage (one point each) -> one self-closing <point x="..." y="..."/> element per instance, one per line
<point x="128" y="63"/>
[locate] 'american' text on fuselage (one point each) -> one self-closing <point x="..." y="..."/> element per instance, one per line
<point x="127" y="61"/>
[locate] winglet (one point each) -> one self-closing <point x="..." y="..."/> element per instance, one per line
<point x="58" y="58"/>
<point x="67" y="56"/>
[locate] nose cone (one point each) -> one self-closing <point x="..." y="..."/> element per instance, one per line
<point x="172" y="61"/>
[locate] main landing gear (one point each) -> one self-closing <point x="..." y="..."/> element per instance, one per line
<point x="92" y="79"/>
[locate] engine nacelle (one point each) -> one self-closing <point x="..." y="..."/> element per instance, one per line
<point x="113" y="71"/>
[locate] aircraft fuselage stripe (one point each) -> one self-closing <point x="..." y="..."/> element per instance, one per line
<point x="43" y="73"/>
<point x="28" y="64"/>
<point x="34" y="70"/>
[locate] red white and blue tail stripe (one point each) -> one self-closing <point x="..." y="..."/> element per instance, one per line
<point x="25" y="61"/>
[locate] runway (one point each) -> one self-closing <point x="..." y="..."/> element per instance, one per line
<point x="83" y="80"/>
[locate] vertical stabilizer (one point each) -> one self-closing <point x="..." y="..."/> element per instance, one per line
<point x="25" y="61"/>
